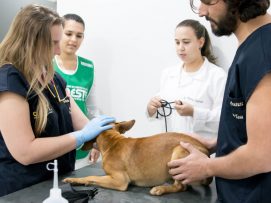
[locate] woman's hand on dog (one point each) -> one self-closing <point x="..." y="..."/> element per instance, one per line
<point x="92" y="129"/>
<point x="191" y="168"/>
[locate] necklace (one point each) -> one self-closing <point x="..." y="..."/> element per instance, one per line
<point x="56" y="94"/>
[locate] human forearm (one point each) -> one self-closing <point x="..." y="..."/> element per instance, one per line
<point x="52" y="147"/>
<point x="44" y="149"/>
<point x="244" y="162"/>
<point x="241" y="163"/>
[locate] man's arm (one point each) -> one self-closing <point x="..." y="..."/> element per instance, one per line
<point x="247" y="160"/>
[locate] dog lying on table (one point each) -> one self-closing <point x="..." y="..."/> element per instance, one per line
<point x="138" y="161"/>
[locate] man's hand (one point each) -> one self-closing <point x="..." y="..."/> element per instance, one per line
<point x="192" y="168"/>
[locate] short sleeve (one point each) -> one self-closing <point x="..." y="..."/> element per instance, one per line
<point x="254" y="62"/>
<point x="12" y="80"/>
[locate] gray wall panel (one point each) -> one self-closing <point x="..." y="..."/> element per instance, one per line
<point x="9" y="8"/>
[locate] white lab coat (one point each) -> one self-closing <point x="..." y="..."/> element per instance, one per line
<point x="202" y="89"/>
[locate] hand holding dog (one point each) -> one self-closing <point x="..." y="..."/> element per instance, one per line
<point x="92" y="129"/>
<point x="184" y="109"/>
<point x="192" y="168"/>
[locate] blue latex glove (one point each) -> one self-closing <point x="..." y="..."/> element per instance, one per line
<point x="92" y="129"/>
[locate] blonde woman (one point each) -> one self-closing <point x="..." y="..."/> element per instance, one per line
<point x="39" y="122"/>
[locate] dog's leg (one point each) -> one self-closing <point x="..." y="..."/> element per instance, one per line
<point x="206" y="181"/>
<point x="117" y="182"/>
<point x="177" y="186"/>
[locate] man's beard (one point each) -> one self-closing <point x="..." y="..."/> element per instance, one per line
<point x="224" y="26"/>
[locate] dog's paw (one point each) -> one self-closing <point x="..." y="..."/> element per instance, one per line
<point x="158" y="190"/>
<point x="67" y="180"/>
<point x="73" y="181"/>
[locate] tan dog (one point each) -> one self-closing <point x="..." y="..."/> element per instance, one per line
<point x="138" y="161"/>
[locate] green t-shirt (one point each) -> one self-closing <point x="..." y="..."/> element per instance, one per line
<point x="79" y="84"/>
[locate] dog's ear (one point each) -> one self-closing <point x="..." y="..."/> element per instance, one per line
<point x="124" y="126"/>
<point x="88" y="145"/>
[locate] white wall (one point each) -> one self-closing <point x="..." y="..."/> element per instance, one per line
<point x="131" y="42"/>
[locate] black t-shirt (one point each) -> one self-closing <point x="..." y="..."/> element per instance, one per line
<point x="251" y="63"/>
<point x="13" y="175"/>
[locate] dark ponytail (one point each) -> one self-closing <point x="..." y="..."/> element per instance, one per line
<point x="200" y="31"/>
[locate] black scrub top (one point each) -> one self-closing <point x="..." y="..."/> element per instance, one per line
<point x="13" y="175"/>
<point x="251" y="63"/>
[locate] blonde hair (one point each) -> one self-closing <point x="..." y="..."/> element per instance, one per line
<point x="28" y="46"/>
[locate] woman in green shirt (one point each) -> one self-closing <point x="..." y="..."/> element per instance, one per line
<point x="78" y="73"/>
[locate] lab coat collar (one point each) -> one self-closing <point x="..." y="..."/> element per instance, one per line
<point x="200" y="74"/>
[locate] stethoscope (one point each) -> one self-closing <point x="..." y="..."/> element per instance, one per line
<point x="56" y="95"/>
<point x="165" y="105"/>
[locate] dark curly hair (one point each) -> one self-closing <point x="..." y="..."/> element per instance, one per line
<point x="247" y="9"/>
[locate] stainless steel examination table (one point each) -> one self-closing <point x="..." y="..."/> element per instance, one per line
<point x="37" y="193"/>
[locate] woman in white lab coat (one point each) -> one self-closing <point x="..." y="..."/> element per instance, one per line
<point x="195" y="86"/>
